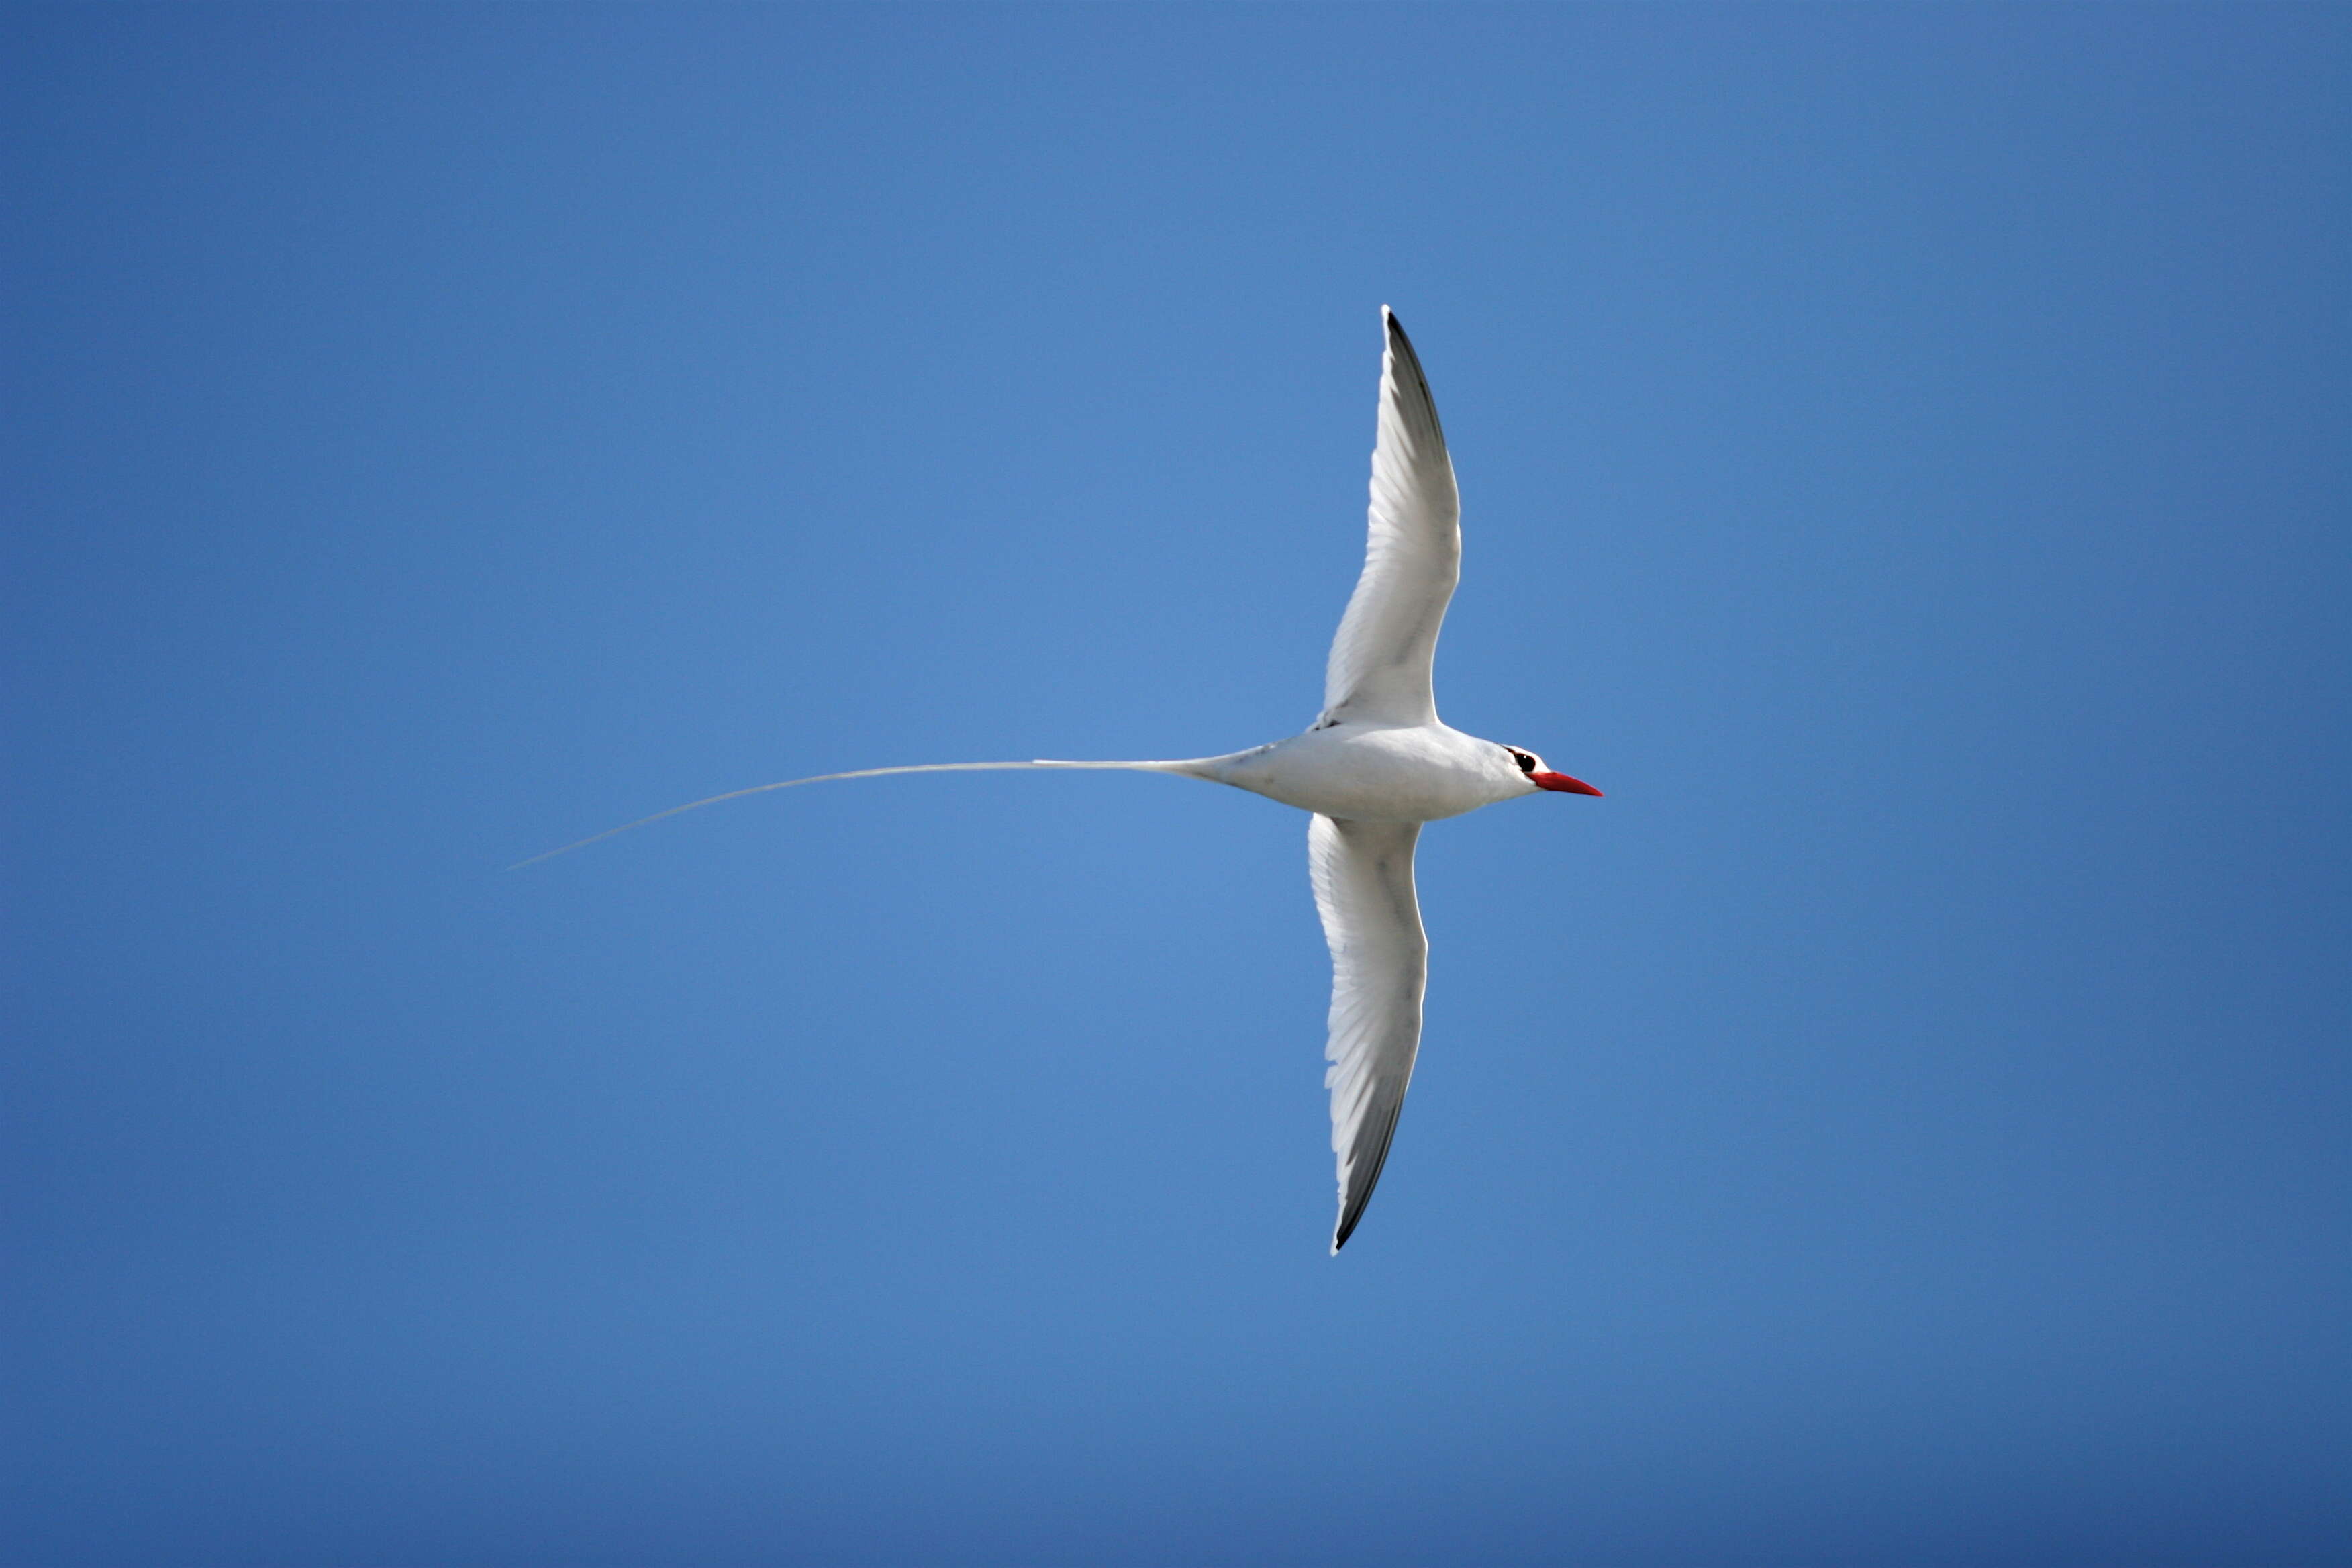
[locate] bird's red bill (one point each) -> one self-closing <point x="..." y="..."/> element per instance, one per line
<point x="1563" y="784"/>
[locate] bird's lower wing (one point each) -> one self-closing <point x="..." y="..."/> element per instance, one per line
<point x="1362" y="873"/>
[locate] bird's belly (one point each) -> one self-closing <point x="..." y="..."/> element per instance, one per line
<point x="1382" y="776"/>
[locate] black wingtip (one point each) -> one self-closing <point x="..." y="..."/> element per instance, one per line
<point x="1351" y="1213"/>
<point x="1348" y="1224"/>
<point x="1409" y="363"/>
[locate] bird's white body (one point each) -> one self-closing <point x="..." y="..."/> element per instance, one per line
<point x="1368" y="771"/>
<point x="1376" y="765"/>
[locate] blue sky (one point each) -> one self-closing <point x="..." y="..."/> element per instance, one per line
<point x="1906" y="462"/>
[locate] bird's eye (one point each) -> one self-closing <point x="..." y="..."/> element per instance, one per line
<point x="1526" y="763"/>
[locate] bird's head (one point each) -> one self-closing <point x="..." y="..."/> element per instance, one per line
<point x="1532" y="767"/>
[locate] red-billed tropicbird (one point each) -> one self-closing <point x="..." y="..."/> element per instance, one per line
<point x="1376" y="765"/>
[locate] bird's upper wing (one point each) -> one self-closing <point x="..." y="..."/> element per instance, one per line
<point x="1362" y="873"/>
<point x="1379" y="667"/>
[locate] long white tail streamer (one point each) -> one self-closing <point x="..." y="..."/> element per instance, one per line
<point x="1191" y="768"/>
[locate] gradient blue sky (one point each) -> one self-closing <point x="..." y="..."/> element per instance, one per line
<point x="1906" y="457"/>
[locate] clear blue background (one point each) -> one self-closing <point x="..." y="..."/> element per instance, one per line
<point x="1906" y="457"/>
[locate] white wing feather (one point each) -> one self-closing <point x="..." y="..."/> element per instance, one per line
<point x="1362" y="873"/>
<point x="1379" y="669"/>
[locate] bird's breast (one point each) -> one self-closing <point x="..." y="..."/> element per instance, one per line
<point x="1370" y="774"/>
